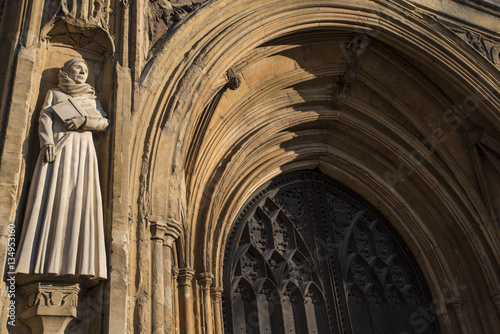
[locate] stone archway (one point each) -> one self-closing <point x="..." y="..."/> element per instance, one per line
<point x="321" y="85"/>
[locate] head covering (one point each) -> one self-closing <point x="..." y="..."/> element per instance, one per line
<point x="69" y="86"/>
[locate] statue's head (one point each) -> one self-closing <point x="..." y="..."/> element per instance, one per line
<point x="77" y="70"/>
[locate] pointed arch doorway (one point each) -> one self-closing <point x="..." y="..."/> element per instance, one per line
<point x="307" y="255"/>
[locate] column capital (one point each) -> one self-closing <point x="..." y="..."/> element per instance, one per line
<point x="205" y="279"/>
<point x="186" y="273"/>
<point x="216" y="292"/>
<point x="164" y="228"/>
<point x="456" y="305"/>
<point x="185" y="276"/>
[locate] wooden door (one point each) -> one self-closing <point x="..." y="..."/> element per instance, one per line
<point x="307" y="255"/>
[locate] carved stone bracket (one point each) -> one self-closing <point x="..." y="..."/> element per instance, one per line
<point x="50" y="307"/>
<point x="352" y="50"/>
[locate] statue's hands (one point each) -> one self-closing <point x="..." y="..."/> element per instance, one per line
<point x="75" y="123"/>
<point x="49" y="153"/>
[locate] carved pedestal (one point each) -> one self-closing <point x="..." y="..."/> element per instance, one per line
<point x="50" y="306"/>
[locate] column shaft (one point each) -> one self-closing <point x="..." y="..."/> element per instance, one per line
<point x="157" y="289"/>
<point x="216" y="293"/>
<point x="186" y="300"/>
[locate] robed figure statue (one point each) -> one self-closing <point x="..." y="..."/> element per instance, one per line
<point x="63" y="232"/>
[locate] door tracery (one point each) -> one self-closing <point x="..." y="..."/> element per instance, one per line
<point x="306" y="255"/>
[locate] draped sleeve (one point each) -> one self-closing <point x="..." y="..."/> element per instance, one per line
<point x="46" y="121"/>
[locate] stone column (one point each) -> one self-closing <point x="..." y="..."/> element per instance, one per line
<point x="205" y="281"/>
<point x="164" y="231"/>
<point x="186" y="300"/>
<point x="216" y="293"/>
<point x="157" y="289"/>
<point x="50" y="306"/>
<point x="176" y="310"/>
<point x="173" y="232"/>
<point x="458" y="309"/>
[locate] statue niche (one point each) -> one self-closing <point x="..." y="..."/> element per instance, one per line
<point x="63" y="233"/>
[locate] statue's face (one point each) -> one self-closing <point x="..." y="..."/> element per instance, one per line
<point x="79" y="73"/>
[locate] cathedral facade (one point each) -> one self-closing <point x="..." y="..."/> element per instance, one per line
<point x="271" y="166"/>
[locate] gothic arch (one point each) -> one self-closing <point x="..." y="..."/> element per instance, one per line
<point x="282" y="120"/>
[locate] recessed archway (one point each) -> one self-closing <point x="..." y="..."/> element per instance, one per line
<point x="380" y="120"/>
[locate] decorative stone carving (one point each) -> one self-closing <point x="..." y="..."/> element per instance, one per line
<point x="50" y="307"/>
<point x="486" y="48"/>
<point x="355" y="47"/>
<point x="63" y="229"/>
<point x="233" y="80"/>
<point x="474" y="134"/>
<point x="83" y="13"/>
<point x="166" y="13"/>
<point x="351" y="50"/>
<point x="95" y="41"/>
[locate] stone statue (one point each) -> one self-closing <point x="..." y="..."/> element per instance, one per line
<point x="63" y="232"/>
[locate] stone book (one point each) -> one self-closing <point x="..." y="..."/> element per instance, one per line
<point x="75" y="107"/>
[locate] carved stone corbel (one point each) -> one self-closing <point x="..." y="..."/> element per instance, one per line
<point x="50" y="306"/>
<point x="233" y="80"/>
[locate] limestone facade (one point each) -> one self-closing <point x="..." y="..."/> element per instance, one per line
<point x="210" y="100"/>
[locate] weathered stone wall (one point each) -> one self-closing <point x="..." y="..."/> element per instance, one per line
<point x="209" y="100"/>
